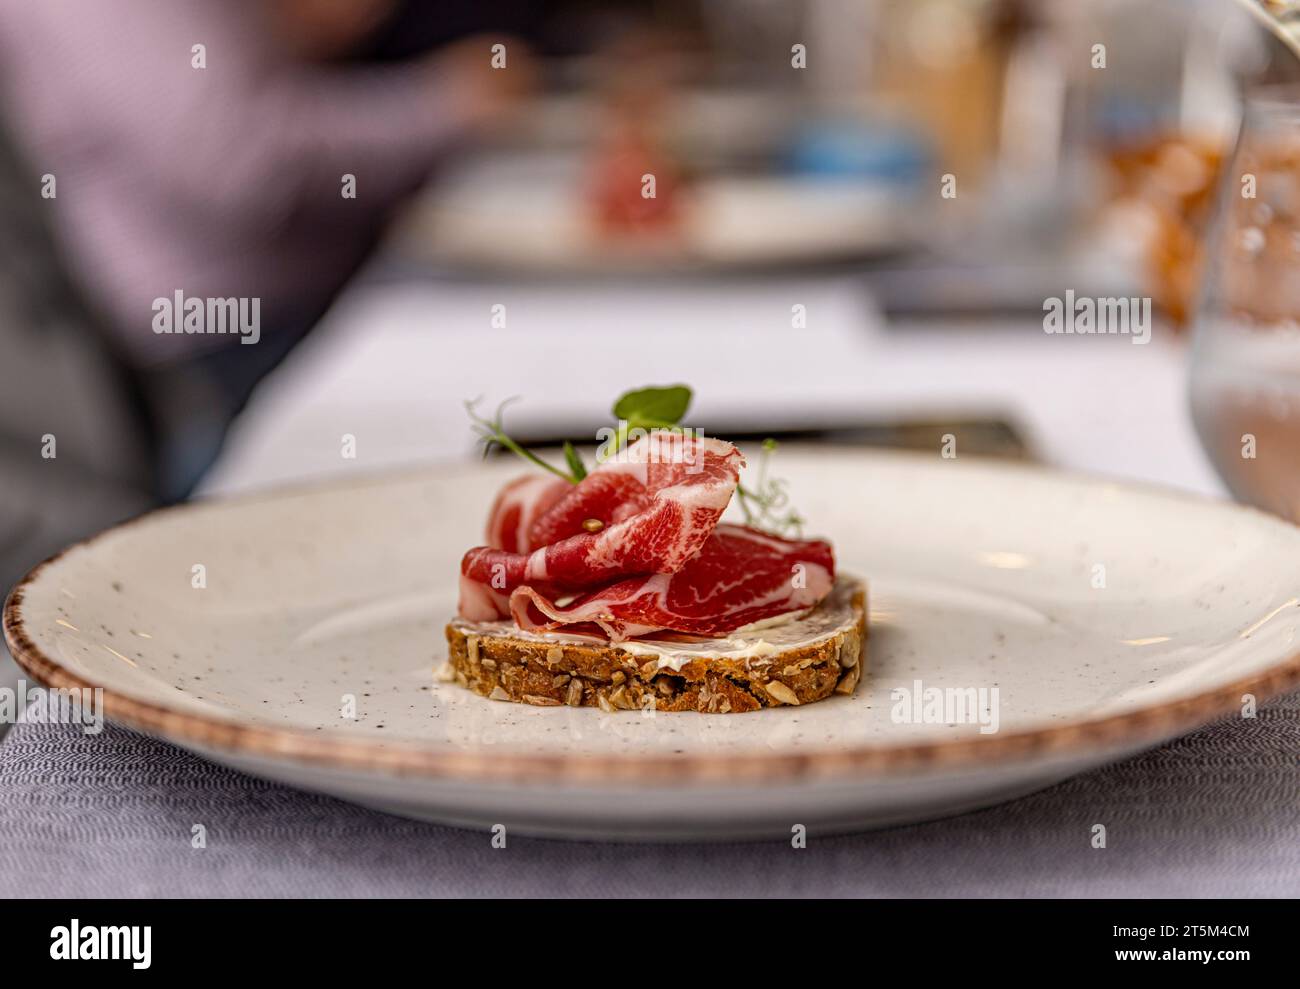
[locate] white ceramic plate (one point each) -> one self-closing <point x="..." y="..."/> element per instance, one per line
<point x="1109" y="618"/>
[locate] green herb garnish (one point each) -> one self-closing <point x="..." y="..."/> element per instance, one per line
<point x="765" y="506"/>
<point x="654" y="407"/>
<point x="763" y="503"/>
<point x="576" y="466"/>
<point x="493" y="434"/>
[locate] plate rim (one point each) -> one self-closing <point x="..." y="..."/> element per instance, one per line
<point x="1134" y="729"/>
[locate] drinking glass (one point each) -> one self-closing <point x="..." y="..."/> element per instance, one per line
<point x="1245" y="375"/>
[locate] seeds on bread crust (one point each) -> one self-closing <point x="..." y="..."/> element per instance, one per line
<point x="781" y="692"/>
<point x="539" y="701"/>
<point x="849" y="681"/>
<point x="573" y="696"/>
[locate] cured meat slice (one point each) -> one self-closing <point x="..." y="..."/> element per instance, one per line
<point x="657" y="503"/>
<point x="606" y="495"/>
<point x="517" y="509"/>
<point x="740" y="576"/>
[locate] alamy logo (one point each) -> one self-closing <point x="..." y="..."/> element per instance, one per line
<point x="54" y="706"/>
<point x="922" y="705"/>
<point x="101" y="943"/>
<point x="181" y="314"/>
<point x="1087" y="315"/>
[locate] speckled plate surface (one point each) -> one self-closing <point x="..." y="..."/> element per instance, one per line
<point x="1107" y="619"/>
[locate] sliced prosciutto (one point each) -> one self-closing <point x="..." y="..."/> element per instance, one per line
<point x="517" y="509"/>
<point x="636" y="548"/>
<point x="739" y="577"/>
<point x="655" y="505"/>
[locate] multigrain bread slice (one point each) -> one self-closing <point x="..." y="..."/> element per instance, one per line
<point x="795" y="662"/>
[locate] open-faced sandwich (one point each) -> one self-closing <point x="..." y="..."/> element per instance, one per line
<point x="622" y="588"/>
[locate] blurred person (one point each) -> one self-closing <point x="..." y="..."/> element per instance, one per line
<point x="218" y="149"/>
<point x="197" y="150"/>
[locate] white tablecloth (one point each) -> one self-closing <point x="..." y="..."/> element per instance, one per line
<point x="393" y="364"/>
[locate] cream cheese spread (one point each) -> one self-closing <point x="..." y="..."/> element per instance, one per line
<point x="754" y="643"/>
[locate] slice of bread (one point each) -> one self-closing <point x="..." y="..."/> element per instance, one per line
<point x="792" y="662"/>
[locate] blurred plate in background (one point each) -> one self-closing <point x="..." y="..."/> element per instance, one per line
<point x="532" y="212"/>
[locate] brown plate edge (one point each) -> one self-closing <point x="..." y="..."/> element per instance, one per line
<point x="1135" y="728"/>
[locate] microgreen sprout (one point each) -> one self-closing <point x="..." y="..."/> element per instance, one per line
<point x="492" y="434"/>
<point x="765" y="505"/>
